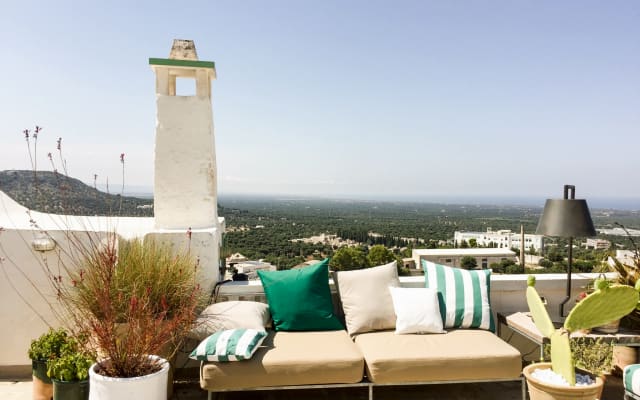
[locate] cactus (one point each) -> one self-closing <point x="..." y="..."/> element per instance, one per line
<point x="606" y="304"/>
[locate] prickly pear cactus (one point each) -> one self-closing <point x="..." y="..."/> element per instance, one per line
<point x="538" y="311"/>
<point x="606" y="304"/>
<point x="562" y="361"/>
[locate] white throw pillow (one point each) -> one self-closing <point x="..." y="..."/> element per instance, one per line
<point x="417" y="310"/>
<point x="231" y="315"/>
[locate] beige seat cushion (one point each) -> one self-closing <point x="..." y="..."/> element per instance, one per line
<point x="459" y="355"/>
<point x="290" y="358"/>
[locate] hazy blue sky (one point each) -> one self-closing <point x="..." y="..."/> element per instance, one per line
<point x="356" y="98"/>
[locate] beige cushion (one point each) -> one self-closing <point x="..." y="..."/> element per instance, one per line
<point x="366" y="299"/>
<point x="459" y="355"/>
<point x="290" y="358"/>
<point x="231" y="315"/>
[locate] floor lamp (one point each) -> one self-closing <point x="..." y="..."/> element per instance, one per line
<point x="567" y="217"/>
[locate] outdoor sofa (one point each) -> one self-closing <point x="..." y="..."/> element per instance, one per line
<point x="369" y="352"/>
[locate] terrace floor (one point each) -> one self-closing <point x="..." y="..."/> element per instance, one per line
<point x="185" y="390"/>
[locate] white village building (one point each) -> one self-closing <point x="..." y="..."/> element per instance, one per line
<point x="503" y="238"/>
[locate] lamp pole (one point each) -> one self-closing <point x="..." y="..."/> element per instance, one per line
<point x="568" y="189"/>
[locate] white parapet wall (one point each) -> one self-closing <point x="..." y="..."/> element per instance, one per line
<point x="27" y="299"/>
<point x="507" y="291"/>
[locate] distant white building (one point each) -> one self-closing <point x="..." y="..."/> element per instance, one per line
<point x="503" y="238"/>
<point x="598" y="244"/>
<point x="236" y="258"/>
<point x="619" y="232"/>
<point x="251" y="268"/>
<point x="485" y="256"/>
<point x="626" y="256"/>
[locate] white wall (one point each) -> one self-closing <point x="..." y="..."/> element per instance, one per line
<point x="27" y="301"/>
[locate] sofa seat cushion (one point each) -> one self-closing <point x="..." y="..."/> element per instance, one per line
<point x="290" y="358"/>
<point x="458" y="355"/>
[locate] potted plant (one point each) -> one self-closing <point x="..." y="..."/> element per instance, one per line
<point x="628" y="274"/>
<point x="606" y="303"/>
<point x="70" y="372"/>
<point x="47" y="346"/>
<point x="137" y="300"/>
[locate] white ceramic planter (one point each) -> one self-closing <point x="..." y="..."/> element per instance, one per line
<point x="151" y="387"/>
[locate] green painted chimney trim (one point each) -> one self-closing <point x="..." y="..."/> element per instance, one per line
<point x="182" y="63"/>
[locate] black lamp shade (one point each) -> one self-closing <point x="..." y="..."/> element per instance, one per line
<point x="566" y="218"/>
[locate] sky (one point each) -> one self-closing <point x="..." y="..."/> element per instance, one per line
<point x="362" y="99"/>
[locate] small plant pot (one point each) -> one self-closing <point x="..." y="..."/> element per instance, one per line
<point x="611" y="327"/>
<point x="623" y="356"/>
<point x="539" y="390"/>
<point x="70" y="390"/>
<point x="42" y="385"/>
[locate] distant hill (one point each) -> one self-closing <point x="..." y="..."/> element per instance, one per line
<point x="55" y="193"/>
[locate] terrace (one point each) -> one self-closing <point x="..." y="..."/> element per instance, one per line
<point x="506" y="297"/>
<point x="175" y="212"/>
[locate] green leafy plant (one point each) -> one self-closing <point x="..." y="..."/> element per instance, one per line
<point x="593" y="355"/>
<point x="629" y="274"/>
<point x="48" y="345"/>
<point x="72" y="364"/>
<point x="605" y="304"/>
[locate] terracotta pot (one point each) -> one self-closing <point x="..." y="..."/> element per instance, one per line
<point x="42" y="386"/>
<point x="539" y="390"/>
<point x="623" y="356"/>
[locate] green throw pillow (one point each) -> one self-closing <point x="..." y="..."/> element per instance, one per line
<point x="229" y="345"/>
<point x="463" y="295"/>
<point x="300" y="299"/>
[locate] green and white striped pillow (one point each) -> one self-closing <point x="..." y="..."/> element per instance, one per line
<point x="631" y="379"/>
<point x="463" y="295"/>
<point x="229" y="345"/>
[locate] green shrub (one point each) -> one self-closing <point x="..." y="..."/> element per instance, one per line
<point x="72" y="365"/>
<point x="48" y="345"/>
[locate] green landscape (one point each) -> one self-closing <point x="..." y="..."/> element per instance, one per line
<point x="264" y="228"/>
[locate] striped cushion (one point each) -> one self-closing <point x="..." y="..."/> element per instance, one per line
<point x="229" y="345"/>
<point x="463" y="295"/>
<point x="631" y="378"/>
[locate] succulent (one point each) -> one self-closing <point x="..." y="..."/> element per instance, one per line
<point x="607" y="303"/>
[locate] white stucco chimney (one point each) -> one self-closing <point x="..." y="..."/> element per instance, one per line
<point x="185" y="192"/>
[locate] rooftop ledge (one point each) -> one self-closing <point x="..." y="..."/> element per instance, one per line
<point x="499" y="282"/>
